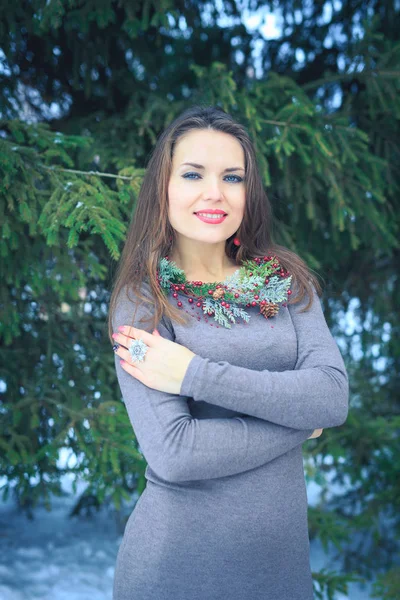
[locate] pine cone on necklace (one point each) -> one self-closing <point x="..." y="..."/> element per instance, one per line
<point x="269" y="309"/>
<point x="219" y="293"/>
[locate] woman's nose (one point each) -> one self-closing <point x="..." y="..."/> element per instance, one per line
<point x="213" y="188"/>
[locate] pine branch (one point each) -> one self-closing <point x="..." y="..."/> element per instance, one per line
<point x="78" y="172"/>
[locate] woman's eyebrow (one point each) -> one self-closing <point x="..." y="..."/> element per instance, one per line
<point x="196" y="166"/>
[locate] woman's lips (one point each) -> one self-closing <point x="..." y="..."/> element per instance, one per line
<point x="211" y="220"/>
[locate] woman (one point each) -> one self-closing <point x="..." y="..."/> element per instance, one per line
<point x="220" y="407"/>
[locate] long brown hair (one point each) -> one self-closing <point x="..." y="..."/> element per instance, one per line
<point x="150" y="235"/>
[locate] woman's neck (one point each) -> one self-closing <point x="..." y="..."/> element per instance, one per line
<point x="202" y="273"/>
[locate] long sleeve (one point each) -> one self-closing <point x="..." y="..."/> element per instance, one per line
<point x="179" y="447"/>
<point x="313" y="395"/>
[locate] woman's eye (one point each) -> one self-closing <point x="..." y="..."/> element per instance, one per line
<point x="186" y="176"/>
<point x="237" y="178"/>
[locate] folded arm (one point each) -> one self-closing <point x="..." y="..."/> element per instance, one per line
<point x="313" y="395"/>
<point x="179" y="447"/>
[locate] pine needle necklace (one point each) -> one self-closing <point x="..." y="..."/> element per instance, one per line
<point x="259" y="282"/>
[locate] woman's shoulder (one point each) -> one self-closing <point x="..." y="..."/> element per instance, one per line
<point x="145" y="309"/>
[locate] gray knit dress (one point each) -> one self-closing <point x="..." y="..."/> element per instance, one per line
<point x="224" y="512"/>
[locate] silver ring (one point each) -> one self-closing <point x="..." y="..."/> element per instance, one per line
<point x="137" y="350"/>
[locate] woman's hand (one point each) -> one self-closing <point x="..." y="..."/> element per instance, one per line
<point x="315" y="434"/>
<point x="164" y="365"/>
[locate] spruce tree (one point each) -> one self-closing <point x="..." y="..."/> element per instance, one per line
<point x="84" y="95"/>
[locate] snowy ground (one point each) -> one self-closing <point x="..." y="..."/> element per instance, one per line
<point x="54" y="557"/>
<point x="57" y="558"/>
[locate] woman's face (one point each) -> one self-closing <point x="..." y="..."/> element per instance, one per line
<point x="207" y="186"/>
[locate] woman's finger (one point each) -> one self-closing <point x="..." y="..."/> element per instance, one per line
<point x="131" y="369"/>
<point x="124" y="354"/>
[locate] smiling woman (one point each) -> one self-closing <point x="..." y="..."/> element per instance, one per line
<point x="215" y="189"/>
<point x="220" y="414"/>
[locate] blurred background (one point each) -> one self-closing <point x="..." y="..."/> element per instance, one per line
<point x="85" y="89"/>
